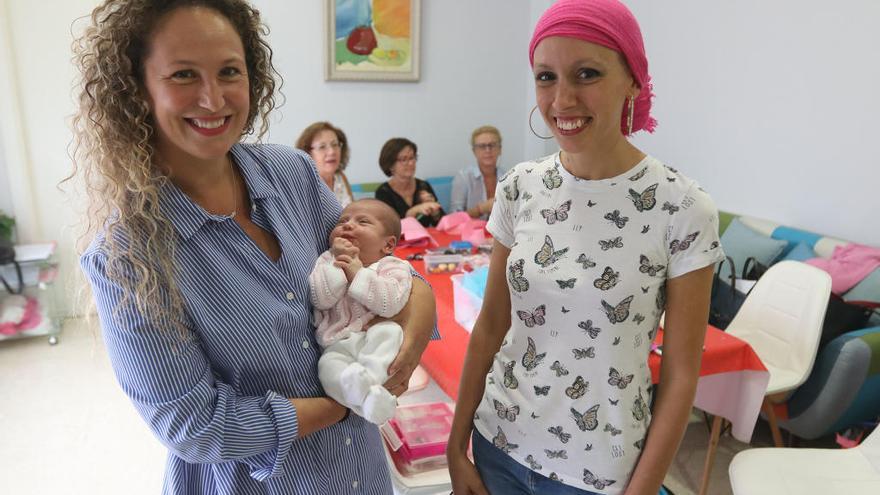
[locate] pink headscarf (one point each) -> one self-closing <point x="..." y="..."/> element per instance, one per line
<point x="610" y="24"/>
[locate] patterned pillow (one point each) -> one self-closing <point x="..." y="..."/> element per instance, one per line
<point x="741" y="242"/>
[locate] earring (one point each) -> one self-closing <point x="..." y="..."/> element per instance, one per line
<point x="532" y="128"/>
<point x="629" y="116"/>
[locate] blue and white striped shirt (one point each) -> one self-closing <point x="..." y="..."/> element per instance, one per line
<point x="219" y="401"/>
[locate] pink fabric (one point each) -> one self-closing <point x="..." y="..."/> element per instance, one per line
<point x="610" y="24"/>
<point x="341" y="308"/>
<point x="414" y="234"/>
<point x="848" y="265"/>
<point x="461" y="224"/>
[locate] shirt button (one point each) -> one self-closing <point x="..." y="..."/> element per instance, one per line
<point x="290" y="296"/>
<point x="354" y="484"/>
<point x="305" y="344"/>
<point x="348" y="441"/>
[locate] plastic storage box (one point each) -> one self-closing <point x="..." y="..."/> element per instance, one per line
<point x="418" y="435"/>
<point x="443" y="263"/>
<point x="466" y="304"/>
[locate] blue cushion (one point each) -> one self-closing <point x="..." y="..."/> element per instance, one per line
<point x="741" y="242"/>
<point x="443" y="189"/>
<point x="795" y="236"/>
<point x="866" y="290"/>
<point x="801" y="252"/>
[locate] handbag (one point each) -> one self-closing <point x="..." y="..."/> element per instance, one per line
<point x="753" y="269"/>
<point x="725" y="299"/>
<point x="7" y="257"/>
<point x="842" y="317"/>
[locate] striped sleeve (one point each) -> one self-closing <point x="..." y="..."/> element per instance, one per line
<point x="171" y="384"/>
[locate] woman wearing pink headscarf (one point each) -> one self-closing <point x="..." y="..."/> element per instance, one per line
<point x="592" y="245"/>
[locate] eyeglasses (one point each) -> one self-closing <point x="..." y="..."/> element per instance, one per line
<point x="324" y="147"/>
<point x="404" y="159"/>
<point x="487" y="146"/>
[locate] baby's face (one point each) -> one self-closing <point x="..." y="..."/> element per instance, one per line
<point x="360" y="225"/>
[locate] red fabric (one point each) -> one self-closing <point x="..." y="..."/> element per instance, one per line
<point x="443" y="358"/>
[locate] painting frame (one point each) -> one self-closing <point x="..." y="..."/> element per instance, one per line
<point x="408" y="72"/>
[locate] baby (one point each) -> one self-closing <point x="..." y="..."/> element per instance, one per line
<point x="355" y="280"/>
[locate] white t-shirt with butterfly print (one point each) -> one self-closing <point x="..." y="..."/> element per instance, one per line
<point x="568" y="392"/>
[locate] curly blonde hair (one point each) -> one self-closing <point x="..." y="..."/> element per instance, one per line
<point x="114" y="133"/>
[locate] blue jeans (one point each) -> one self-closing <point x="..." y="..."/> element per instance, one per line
<point x="504" y="476"/>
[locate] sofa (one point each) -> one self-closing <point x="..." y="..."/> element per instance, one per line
<point x="843" y="389"/>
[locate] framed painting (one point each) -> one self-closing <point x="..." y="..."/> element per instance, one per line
<point x="372" y="40"/>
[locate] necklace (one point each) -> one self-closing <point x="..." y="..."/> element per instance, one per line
<point x="234" y="191"/>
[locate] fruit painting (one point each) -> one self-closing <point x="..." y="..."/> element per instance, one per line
<point x="372" y="40"/>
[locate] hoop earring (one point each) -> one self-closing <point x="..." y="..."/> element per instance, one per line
<point x="532" y="128"/>
<point x="629" y="116"/>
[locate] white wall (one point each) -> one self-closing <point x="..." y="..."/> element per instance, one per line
<point x="473" y="72"/>
<point x="772" y="106"/>
<point x="5" y="193"/>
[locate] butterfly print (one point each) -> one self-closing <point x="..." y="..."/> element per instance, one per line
<point x="566" y="284"/>
<point x="535" y="416"/>
<point x="617" y="242"/>
<point x="565" y="310"/>
<point x="641" y="173"/>
<point x="505" y="176"/>
<point x="645" y="200"/>
<point x="534" y="318"/>
<point x="531" y="359"/>
<point x="671" y="208"/>
<point x="491" y="380"/>
<point x="551" y="178"/>
<point x="608" y="279"/>
<point x="585" y="261"/>
<point x="645" y="229"/>
<point x="638" y="318"/>
<point x="559" y="214"/>
<point x="614" y="431"/>
<point x="615" y="218"/>
<point x="526" y="196"/>
<point x="578" y="388"/>
<point x="547" y="256"/>
<point x="645" y="290"/>
<point x="588" y="327"/>
<point x="714" y="245"/>
<point x="510" y="381"/>
<point x="676" y="245"/>
<point x="591" y="203"/>
<point x="640" y="409"/>
<point x="588" y="421"/>
<point x="619" y="313"/>
<point x="554" y="477"/>
<point x="647" y="267"/>
<point x="558" y="368"/>
<point x="674" y="171"/>
<point x="670" y="179"/>
<point x="615" y="379"/>
<point x="589" y="447"/>
<point x="652" y="333"/>
<point x="556" y="454"/>
<point x="542" y="390"/>
<point x="500" y="441"/>
<point x="515" y="276"/>
<point x="598" y="483"/>
<point x="589" y="352"/>
<point x="640" y="444"/>
<point x="616" y="341"/>
<point x="504" y="412"/>
<point x="511" y="191"/>
<point x="557" y="431"/>
<point x="533" y="463"/>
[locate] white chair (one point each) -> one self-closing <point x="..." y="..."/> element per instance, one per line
<point x="853" y="471"/>
<point x="781" y="319"/>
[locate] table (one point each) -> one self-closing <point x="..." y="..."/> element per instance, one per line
<point x="732" y="382"/>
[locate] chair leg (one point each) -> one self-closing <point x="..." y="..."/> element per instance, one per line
<point x="710" y="454"/>
<point x="771" y="418"/>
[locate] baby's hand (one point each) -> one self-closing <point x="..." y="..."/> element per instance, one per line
<point x="349" y="264"/>
<point x="343" y="246"/>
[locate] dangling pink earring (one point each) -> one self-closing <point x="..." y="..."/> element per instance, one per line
<point x="629" y="116"/>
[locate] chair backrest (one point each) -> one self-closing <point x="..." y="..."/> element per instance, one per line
<point x="870" y="448"/>
<point x="782" y="316"/>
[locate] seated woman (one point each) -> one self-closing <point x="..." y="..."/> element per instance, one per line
<point x="473" y="188"/>
<point x="409" y="196"/>
<point x="328" y="147"/>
